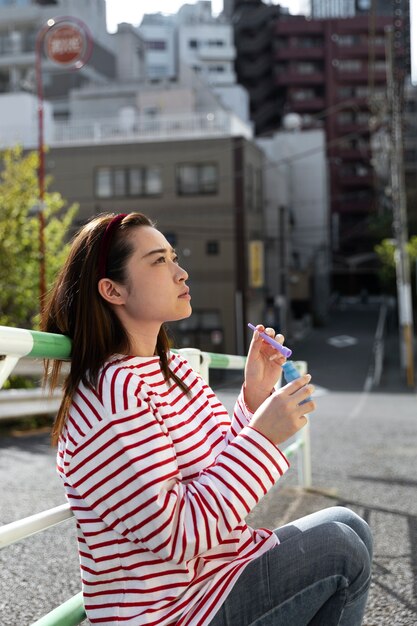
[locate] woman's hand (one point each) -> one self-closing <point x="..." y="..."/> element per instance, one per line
<point x="281" y="416"/>
<point x="263" y="368"/>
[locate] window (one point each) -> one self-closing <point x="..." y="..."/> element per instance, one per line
<point x="153" y="182"/>
<point x="306" y="68"/>
<point x="127" y="181"/>
<point x="303" y="94"/>
<point x="345" y="117"/>
<point x="309" y="42"/>
<point x="212" y="247"/>
<point x="362" y="117"/>
<point x="379" y="66"/>
<point x="193" y="43"/>
<point x="197" y="179"/>
<point x="350" y="66"/>
<point x="346" y="40"/>
<point x="158" y="44"/>
<point x="103" y="182"/>
<point x="119" y="182"/>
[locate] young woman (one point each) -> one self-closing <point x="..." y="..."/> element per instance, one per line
<point x="158" y="476"/>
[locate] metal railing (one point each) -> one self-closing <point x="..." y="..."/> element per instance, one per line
<point x="16" y="343"/>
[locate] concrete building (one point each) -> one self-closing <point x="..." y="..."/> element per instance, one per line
<point x="195" y="192"/>
<point x="19" y="25"/>
<point x="297" y="221"/>
<point x="253" y="25"/>
<point x="159" y="33"/>
<point x="194" y="38"/>
<point x="349" y="8"/>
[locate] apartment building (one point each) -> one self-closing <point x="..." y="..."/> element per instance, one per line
<point x="324" y="70"/>
<point x="194" y="38"/>
<point x="349" y="8"/>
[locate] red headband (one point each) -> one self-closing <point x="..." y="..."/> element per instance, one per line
<point x="105" y="243"/>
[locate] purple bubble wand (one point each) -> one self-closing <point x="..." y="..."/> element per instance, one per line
<point x="275" y="344"/>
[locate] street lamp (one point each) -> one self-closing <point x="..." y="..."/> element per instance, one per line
<point x="67" y="42"/>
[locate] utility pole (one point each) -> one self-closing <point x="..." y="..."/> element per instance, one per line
<point x="395" y="85"/>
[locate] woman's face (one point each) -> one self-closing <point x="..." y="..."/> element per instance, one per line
<point x="155" y="289"/>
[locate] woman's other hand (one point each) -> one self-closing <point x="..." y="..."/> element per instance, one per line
<point x="280" y="416"/>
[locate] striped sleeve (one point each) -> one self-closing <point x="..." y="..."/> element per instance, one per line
<point x="126" y="471"/>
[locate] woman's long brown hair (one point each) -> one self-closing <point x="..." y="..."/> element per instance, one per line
<point x="76" y="309"/>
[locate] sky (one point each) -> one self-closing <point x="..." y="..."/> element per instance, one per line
<point x="129" y="11"/>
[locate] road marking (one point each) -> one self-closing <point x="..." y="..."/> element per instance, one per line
<point x="342" y="341"/>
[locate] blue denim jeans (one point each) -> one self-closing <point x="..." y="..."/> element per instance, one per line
<point x="319" y="575"/>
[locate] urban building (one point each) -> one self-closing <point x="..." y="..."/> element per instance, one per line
<point x="297" y="222"/>
<point x="159" y="34"/>
<point x="196" y="193"/>
<point x="324" y="71"/>
<point x="349" y="8"/>
<point x="196" y="39"/>
<point x="253" y="24"/>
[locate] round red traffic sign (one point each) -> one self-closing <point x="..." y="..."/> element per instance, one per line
<point x="66" y="44"/>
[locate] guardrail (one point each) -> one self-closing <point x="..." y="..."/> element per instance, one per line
<point x="16" y="343"/>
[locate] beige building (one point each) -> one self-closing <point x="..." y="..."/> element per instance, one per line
<point x="206" y="197"/>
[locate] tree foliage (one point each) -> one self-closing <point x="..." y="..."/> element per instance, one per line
<point x="19" y="237"/>
<point x="386" y="253"/>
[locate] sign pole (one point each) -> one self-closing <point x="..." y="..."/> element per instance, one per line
<point x="68" y="43"/>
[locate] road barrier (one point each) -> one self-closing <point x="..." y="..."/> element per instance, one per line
<point x="17" y="343"/>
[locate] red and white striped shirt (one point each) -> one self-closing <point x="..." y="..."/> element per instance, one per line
<point x="160" y="483"/>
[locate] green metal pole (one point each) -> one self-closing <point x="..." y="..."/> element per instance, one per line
<point x="70" y="613"/>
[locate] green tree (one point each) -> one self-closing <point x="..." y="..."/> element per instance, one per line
<point x="386" y="253"/>
<point x="19" y="237"/>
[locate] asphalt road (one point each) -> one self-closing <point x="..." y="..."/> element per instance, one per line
<point x="364" y="450"/>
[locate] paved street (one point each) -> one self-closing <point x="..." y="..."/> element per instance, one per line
<point x="364" y="447"/>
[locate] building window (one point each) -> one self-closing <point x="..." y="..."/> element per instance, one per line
<point x="152" y="181"/>
<point x="345" y="117"/>
<point x="303" y="94"/>
<point x="346" y="40"/>
<point x="158" y="44"/>
<point x="212" y="247"/>
<point x="127" y="181"/>
<point x="197" y="179"/>
<point x="193" y="43"/>
<point x="307" y="68"/>
<point x="103" y="182"/>
<point x="309" y="42"/>
<point x="350" y="66"/>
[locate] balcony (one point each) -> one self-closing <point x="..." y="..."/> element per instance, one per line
<point x="305" y="106"/>
<point x="361" y="50"/>
<point x="303" y="54"/>
<point x="143" y="129"/>
<point x="353" y="154"/>
<point x="361" y="77"/>
<point x="359" y="205"/>
<point x="216" y="53"/>
<point x="352" y="181"/>
<point x="283" y="79"/>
